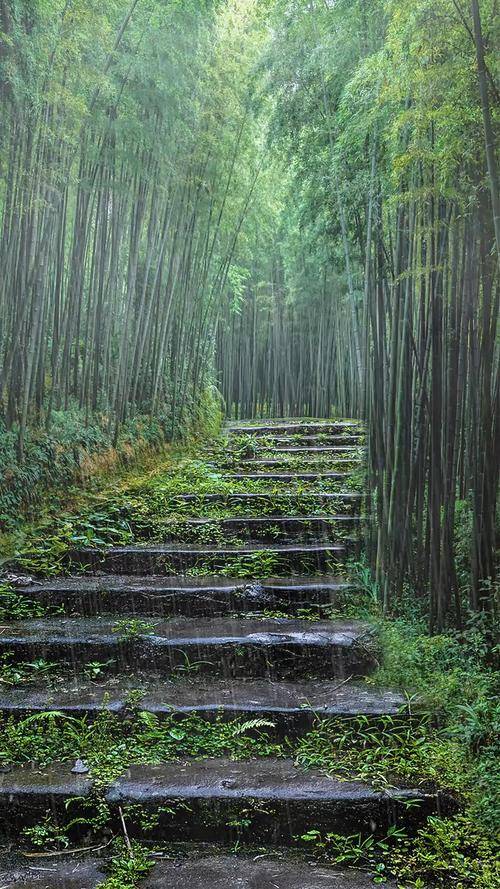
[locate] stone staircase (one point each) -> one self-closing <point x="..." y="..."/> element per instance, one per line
<point x="248" y="663"/>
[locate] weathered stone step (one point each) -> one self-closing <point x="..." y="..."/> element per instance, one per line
<point x="290" y="705"/>
<point x="347" y="453"/>
<point x="271" y="647"/>
<point x="270" y="799"/>
<point x="70" y="873"/>
<point x="352" y="499"/>
<point x="204" y="596"/>
<point x="189" y="872"/>
<point x="285" y="462"/>
<point x="291" y="428"/>
<point x="287" y="476"/>
<point x="314" y="449"/>
<point x="168" y="557"/>
<point x="268" y="528"/>
<point x="283" y="800"/>
<point x="287" y="443"/>
<point x="236" y="872"/>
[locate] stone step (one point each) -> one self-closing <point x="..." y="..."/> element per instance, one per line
<point x="285" y="462"/>
<point x="241" y="647"/>
<point x="89" y="595"/>
<point x="191" y="872"/>
<point x="352" y="499"/>
<point x="292" y="706"/>
<point x="314" y="449"/>
<point x="287" y="476"/>
<point x="286" y="443"/>
<point x="171" y="557"/>
<point x="267" y="528"/>
<point x="310" y="427"/>
<point x="217" y="800"/>
<point x="257" y="872"/>
<point x="73" y="872"/>
<point x="310" y="454"/>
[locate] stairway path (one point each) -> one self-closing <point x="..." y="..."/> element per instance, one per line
<point x="184" y="636"/>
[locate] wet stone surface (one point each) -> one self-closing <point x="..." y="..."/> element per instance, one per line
<point x="75" y="874"/>
<point x="233" y="872"/>
<point x="209" y="872"/>
<point x="218" y="799"/>
<point x="154" y="595"/>
<point x="274" y="647"/>
<point x="291" y="428"/>
<point x="163" y="558"/>
<point x="295" y="703"/>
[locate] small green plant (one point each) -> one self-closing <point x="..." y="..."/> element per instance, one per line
<point x="47" y="834"/>
<point x="12" y="673"/>
<point x="356" y="850"/>
<point x="97" y="669"/>
<point x="15" y="606"/>
<point x="130" y="863"/>
<point x="132" y="628"/>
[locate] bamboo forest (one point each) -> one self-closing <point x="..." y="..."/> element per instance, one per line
<point x="249" y="444"/>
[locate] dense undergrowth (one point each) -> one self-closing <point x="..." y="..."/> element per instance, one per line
<point x="77" y="448"/>
<point x="448" y="739"/>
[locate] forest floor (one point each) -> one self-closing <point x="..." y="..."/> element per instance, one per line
<point x="197" y="684"/>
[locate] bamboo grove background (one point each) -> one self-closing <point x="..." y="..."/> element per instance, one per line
<point x="382" y="298"/>
<point x="124" y="133"/>
<point x="296" y="201"/>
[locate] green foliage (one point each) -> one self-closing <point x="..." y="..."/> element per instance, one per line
<point x="109" y="745"/>
<point x="454" y="852"/>
<point x="13" y="673"/>
<point x="132" y="627"/>
<point x="47" y="835"/>
<point x="58" y="459"/>
<point x="15" y="606"/>
<point x="455" y="679"/>
<point x="357" y="850"/>
<point x="129" y="864"/>
<point x="386" y="751"/>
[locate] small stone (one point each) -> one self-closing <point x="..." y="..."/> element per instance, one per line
<point x="254" y="590"/>
<point x="80" y="768"/>
<point x="230" y="783"/>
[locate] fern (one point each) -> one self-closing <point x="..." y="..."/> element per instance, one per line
<point x="251" y="724"/>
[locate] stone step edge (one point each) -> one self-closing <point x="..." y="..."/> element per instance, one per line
<point x="302" y="701"/>
<point x="220" y="778"/>
<point x="286" y="476"/>
<point x="281" y="648"/>
<point x="275" y="496"/>
<point x="187" y="631"/>
<point x="330" y="427"/>
<point x="179" y="549"/>
<point x="270" y="519"/>
<point x="213" y="870"/>
<point x="165" y="584"/>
